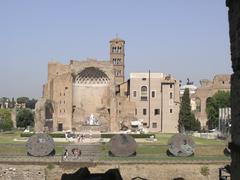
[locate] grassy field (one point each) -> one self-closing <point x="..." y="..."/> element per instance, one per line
<point x="158" y="152"/>
<point x="8" y="137"/>
<point x="163" y="140"/>
<point x="8" y="146"/>
<point x="205" y="149"/>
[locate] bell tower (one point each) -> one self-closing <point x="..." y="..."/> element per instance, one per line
<point x="117" y="54"/>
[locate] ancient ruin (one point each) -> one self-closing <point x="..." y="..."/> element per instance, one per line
<point x="220" y="82"/>
<point x="92" y="95"/>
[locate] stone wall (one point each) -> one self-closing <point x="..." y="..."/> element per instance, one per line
<point x="20" y="172"/>
<point x="234" y="33"/>
<point x="62" y="98"/>
<point x="128" y="171"/>
<point x="125" y="111"/>
<point x="89" y="100"/>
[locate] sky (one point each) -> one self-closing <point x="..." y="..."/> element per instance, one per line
<point x="184" y="38"/>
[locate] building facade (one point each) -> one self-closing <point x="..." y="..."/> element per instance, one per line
<point x="156" y="98"/>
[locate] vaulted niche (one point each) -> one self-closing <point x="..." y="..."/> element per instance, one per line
<point x="91" y="97"/>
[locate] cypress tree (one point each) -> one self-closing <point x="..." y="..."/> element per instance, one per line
<point x="187" y="121"/>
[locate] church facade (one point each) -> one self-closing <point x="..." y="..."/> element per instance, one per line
<point x="89" y="95"/>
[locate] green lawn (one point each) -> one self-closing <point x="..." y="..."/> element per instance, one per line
<point x="202" y="141"/>
<point x="163" y="140"/>
<point x="205" y="149"/>
<point x="8" y="137"/>
<point x="10" y="147"/>
<point x="158" y="152"/>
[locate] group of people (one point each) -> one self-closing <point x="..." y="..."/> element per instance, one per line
<point x="74" y="137"/>
<point x="80" y="138"/>
<point x="75" y="153"/>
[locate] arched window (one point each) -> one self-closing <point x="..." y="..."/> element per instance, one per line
<point x="119" y="49"/>
<point x="198" y="104"/>
<point x="144" y="93"/>
<point x="114" y="49"/>
<point x="118" y="73"/>
<point x="171" y="95"/>
<point x="118" y="61"/>
<point x="114" y="61"/>
<point x="209" y="100"/>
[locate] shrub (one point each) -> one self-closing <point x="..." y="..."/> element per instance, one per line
<point x="6" y="123"/>
<point x="50" y="166"/>
<point x="133" y="135"/>
<point x="205" y="171"/>
<point x="62" y="135"/>
<point x="53" y="135"/>
<point x="57" y="135"/>
<point x="26" y="134"/>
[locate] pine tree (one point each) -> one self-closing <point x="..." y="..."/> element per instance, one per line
<point x="187" y="120"/>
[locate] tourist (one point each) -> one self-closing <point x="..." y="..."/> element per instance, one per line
<point x="65" y="155"/>
<point x="82" y="137"/>
<point x="76" y="153"/>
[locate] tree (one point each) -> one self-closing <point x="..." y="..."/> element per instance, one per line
<point x="5" y="102"/>
<point x="221" y="99"/>
<point x="12" y="103"/>
<point x="187" y="120"/>
<point x="22" y="100"/>
<point x="25" y="118"/>
<point x="205" y="171"/>
<point x="31" y="103"/>
<point x="5" y="120"/>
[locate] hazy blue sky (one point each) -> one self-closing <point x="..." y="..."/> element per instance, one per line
<point x="185" y="38"/>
